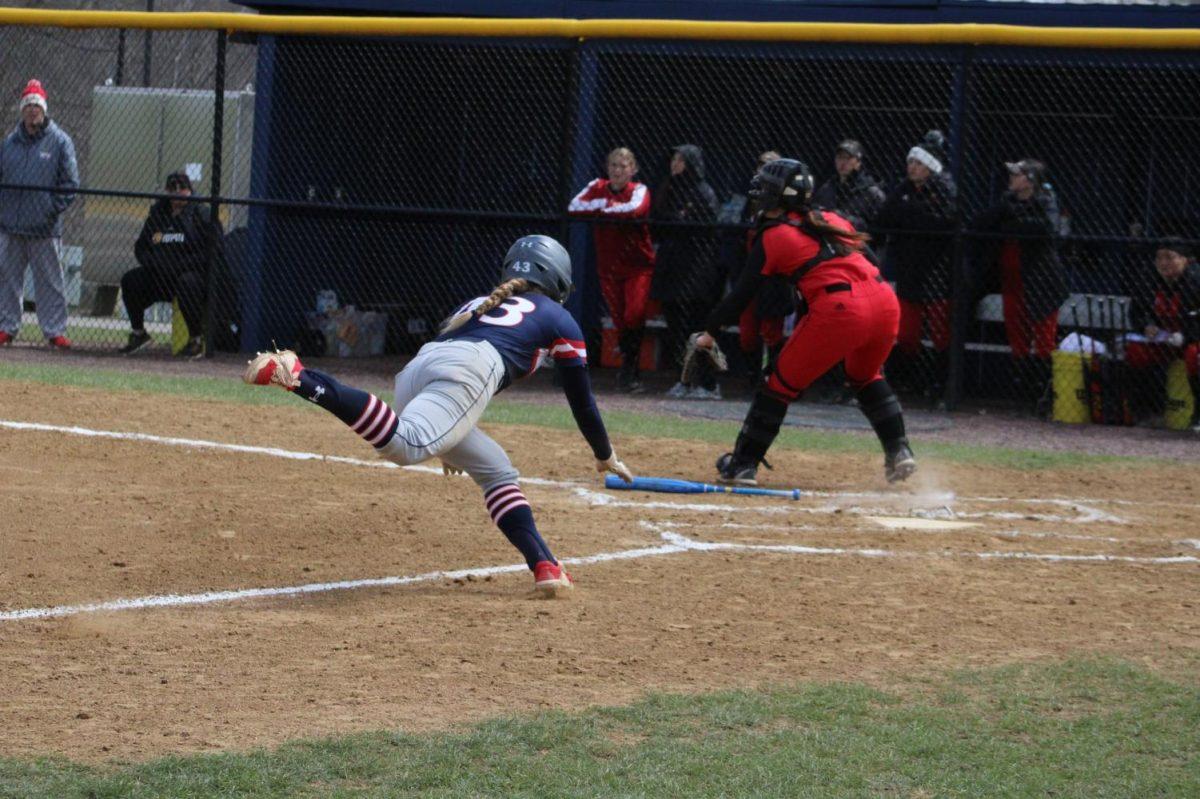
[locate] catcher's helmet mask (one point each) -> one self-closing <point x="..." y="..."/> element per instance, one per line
<point x="541" y="261"/>
<point x="784" y="183"/>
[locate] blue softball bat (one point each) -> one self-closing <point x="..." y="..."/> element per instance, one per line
<point x="667" y="485"/>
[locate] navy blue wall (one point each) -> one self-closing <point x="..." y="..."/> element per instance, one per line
<point x="426" y="124"/>
<point x="494" y="127"/>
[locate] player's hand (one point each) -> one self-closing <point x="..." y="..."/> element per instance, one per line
<point x="1151" y="331"/>
<point x="705" y="341"/>
<point x="614" y="465"/>
<point x="450" y="471"/>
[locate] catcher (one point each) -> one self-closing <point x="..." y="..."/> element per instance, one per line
<point x="852" y="317"/>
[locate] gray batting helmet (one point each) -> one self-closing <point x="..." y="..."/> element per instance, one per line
<point x="543" y="262"/>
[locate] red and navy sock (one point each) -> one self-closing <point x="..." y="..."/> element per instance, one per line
<point x="365" y="413"/>
<point x="511" y="513"/>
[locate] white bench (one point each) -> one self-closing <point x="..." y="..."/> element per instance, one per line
<point x="1079" y="312"/>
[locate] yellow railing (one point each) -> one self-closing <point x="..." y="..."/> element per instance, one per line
<point x="1015" y="35"/>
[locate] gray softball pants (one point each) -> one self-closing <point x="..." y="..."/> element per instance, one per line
<point x="41" y="255"/>
<point x="440" y="396"/>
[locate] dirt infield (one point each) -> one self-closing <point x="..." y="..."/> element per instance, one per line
<point x="725" y="591"/>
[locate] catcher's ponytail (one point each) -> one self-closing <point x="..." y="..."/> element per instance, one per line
<point x="499" y="294"/>
<point x="843" y="242"/>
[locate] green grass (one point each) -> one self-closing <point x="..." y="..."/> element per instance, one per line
<point x="115" y="335"/>
<point x="1085" y="728"/>
<point x="513" y="411"/>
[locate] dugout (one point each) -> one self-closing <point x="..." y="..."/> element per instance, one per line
<point x="447" y="148"/>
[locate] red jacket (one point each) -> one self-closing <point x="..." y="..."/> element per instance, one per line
<point x="620" y="249"/>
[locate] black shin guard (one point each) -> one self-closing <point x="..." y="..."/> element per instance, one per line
<point x="1194" y="383"/>
<point x="879" y="404"/>
<point x="761" y="426"/>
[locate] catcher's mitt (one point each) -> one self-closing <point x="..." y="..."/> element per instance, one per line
<point x="692" y="356"/>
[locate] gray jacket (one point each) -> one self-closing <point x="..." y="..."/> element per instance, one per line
<point x="46" y="158"/>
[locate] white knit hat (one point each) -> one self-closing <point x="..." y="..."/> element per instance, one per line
<point x="927" y="158"/>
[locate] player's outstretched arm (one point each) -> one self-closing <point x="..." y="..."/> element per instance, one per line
<point x="578" y="388"/>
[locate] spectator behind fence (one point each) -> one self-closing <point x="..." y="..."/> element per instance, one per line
<point x="173" y="256"/>
<point x="686" y="276"/>
<point x="624" y="254"/>
<point x="761" y="322"/>
<point x="851" y="192"/>
<point x="1024" y="261"/>
<point x="37" y="153"/>
<point x="1165" y="312"/>
<point x="920" y="213"/>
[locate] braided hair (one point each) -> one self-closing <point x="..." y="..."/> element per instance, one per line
<point x="517" y="285"/>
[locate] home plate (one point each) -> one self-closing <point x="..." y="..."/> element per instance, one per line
<point x="913" y="523"/>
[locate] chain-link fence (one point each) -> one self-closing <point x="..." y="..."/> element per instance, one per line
<point x="1033" y="207"/>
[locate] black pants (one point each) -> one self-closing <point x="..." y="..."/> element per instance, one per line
<point x="142" y="287"/>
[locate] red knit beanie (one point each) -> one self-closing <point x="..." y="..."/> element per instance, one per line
<point x="33" y="94"/>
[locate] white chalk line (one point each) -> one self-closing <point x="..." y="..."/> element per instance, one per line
<point x="1087" y="514"/>
<point x="674" y="543"/>
<point x="274" y="452"/>
<point x="603" y="498"/>
<point x="673" y="537"/>
<point x="808" y="528"/>
<point x="211" y="597"/>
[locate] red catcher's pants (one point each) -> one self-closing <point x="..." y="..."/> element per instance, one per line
<point x="936" y="313"/>
<point x="1021" y="330"/>
<point x="857" y="326"/>
<point x="754" y="332"/>
<point x="626" y="296"/>
<point x="1143" y="355"/>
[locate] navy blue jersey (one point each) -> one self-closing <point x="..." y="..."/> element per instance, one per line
<point x="524" y="329"/>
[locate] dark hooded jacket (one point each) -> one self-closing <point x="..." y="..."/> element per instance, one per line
<point x="173" y="244"/>
<point x="1043" y="283"/>
<point x="920" y="249"/>
<point x="856" y="199"/>
<point x="1173" y="306"/>
<point x="686" y="266"/>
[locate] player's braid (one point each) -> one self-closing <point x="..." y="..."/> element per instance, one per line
<point x="502" y="293"/>
<point x="498" y="295"/>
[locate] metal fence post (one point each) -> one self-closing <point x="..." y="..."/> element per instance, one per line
<point x="960" y="312"/>
<point x="147" y="48"/>
<point x="584" y="302"/>
<point x="214" y="208"/>
<point x="119" y="78"/>
<point x="567" y="172"/>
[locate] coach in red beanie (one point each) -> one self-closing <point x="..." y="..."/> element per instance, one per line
<point x="36" y="153"/>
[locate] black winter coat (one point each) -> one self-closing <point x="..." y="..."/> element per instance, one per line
<point x="173" y="244"/>
<point x="1182" y="298"/>
<point x="686" y="268"/>
<point x="1042" y="280"/>
<point x="919" y="248"/>
<point x="857" y="199"/>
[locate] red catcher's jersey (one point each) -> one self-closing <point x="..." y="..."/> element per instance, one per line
<point x="786" y="248"/>
<point x="620" y="249"/>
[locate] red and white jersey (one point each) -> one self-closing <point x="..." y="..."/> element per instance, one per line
<point x="620" y="249"/>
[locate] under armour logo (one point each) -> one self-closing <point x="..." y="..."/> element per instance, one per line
<point x="318" y="392"/>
